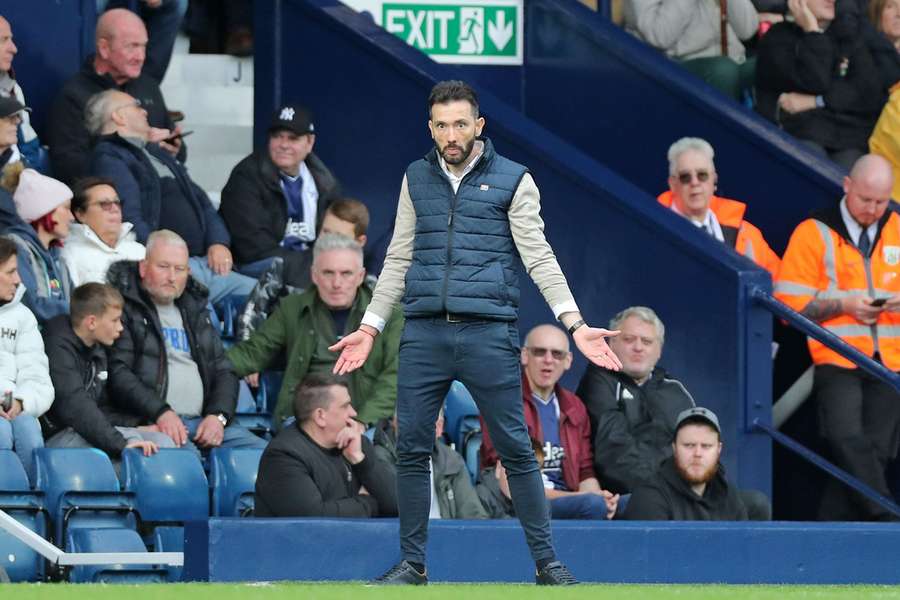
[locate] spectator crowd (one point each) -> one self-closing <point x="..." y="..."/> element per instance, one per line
<point x="117" y="274"/>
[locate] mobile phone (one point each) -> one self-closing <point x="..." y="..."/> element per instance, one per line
<point x="878" y="302"/>
<point x="7" y="400"/>
<point x="183" y="134"/>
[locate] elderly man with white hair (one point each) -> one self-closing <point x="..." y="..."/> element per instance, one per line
<point x="692" y="185"/>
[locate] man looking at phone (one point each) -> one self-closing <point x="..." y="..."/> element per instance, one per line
<point x="156" y="191"/>
<point x="842" y="270"/>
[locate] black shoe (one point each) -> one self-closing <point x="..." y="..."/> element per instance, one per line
<point x="555" y="573"/>
<point x="404" y="573"/>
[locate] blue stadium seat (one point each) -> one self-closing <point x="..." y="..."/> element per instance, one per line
<point x="233" y="475"/>
<point x="258" y="423"/>
<point x="81" y="490"/>
<point x="169" y="487"/>
<point x="460" y="414"/>
<point x="271" y="381"/>
<point x="20" y="562"/>
<point x="169" y="539"/>
<point x="471" y="452"/>
<point x="111" y="539"/>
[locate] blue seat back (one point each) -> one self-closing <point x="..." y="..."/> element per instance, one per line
<point x="81" y="490"/>
<point x="169" y="539"/>
<point x="169" y="486"/>
<point x="471" y="452"/>
<point x="233" y="473"/>
<point x="110" y="540"/>
<point x="20" y="562"/>
<point x="459" y="410"/>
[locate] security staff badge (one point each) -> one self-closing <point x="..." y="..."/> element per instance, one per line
<point x="891" y="255"/>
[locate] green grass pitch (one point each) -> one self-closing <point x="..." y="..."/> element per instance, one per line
<point x="357" y="591"/>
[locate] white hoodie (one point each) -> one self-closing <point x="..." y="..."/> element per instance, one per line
<point x="88" y="257"/>
<point x="24" y="369"/>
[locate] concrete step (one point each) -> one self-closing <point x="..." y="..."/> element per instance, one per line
<point x="209" y="69"/>
<point x="213" y="139"/>
<point x="211" y="171"/>
<point x="211" y="104"/>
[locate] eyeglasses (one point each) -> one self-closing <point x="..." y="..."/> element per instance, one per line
<point x="135" y="102"/>
<point x="107" y="205"/>
<point x="542" y="352"/>
<point x="685" y="177"/>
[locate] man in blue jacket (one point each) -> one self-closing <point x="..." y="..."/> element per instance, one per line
<point x="467" y="220"/>
<point x="157" y="192"/>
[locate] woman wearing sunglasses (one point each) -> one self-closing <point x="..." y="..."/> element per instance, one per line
<point x="100" y="238"/>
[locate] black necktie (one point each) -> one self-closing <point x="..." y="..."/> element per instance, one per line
<point x="864" y="244"/>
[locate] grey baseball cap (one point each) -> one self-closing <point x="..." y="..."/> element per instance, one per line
<point x="698" y="413"/>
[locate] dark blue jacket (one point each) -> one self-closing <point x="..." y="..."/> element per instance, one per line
<point x="138" y="186"/>
<point x="464" y="258"/>
<point x="48" y="297"/>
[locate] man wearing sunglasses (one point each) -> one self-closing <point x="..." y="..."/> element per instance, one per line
<point x="99" y="238"/>
<point x="557" y="419"/>
<point x="692" y="183"/>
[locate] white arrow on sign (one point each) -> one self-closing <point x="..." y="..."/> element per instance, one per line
<point x="500" y="31"/>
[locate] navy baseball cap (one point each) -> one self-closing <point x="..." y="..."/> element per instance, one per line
<point x="293" y="117"/>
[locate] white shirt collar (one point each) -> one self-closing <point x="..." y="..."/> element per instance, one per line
<point x="710" y="224"/>
<point x="454" y="180"/>
<point x="854" y="228"/>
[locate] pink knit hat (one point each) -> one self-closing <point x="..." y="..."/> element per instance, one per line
<point x="38" y="195"/>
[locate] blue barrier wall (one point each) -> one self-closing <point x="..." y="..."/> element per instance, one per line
<point x="485" y="551"/>
<point x="53" y="37"/>
<point x="369" y="91"/>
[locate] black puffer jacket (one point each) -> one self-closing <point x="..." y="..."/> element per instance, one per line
<point x="631" y="425"/>
<point x="137" y="362"/>
<point x="79" y="375"/>
<point x="255" y="211"/>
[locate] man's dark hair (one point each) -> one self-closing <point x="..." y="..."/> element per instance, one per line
<point x="93" y="299"/>
<point x="81" y="188"/>
<point x="313" y="392"/>
<point x="352" y="211"/>
<point x="450" y="91"/>
<point x="8" y="248"/>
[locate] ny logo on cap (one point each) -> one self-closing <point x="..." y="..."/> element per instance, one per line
<point x="287" y="114"/>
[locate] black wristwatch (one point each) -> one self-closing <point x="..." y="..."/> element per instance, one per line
<point x="576" y="325"/>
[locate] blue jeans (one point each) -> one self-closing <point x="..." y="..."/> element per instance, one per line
<point x="235" y="435"/>
<point x="256" y="268"/>
<point x="220" y="286"/>
<point x="484" y="356"/>
<point x="22" y="434"/>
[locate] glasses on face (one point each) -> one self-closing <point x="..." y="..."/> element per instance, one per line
<point x="685" y="177"/>
<point x="133" y="103"/>
<point x="538" y="352"/>
<point x="107" y="205"/>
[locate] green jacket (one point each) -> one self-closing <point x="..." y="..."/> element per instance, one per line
<point x="290" y="330"/>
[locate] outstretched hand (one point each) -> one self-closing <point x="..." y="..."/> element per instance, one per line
<point x="592" y="343"/>
<point x="354" y="350"/>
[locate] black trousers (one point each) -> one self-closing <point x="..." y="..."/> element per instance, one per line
<point x="859" y="417"/>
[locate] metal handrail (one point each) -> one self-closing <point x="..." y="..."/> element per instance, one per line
<point x="830" y="468"/>
<point x="864" y="362"/>
<point x="819" y="333"/>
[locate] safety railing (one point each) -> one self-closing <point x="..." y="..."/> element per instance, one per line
<point x="864" y="362"/>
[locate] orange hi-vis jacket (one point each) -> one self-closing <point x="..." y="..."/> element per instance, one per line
<point x="822" y="262"/>
<point x="741" y="235"/>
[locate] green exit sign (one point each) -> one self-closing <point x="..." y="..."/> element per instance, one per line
<point x="470" y="33"/>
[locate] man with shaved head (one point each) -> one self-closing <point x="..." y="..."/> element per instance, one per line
<point x="558" y="421"/>
<point x="121" y="45"/>
<point x="842" y="270"/>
